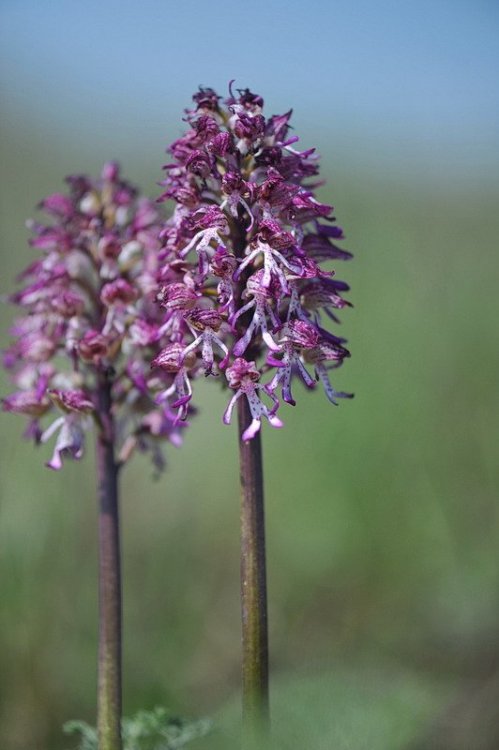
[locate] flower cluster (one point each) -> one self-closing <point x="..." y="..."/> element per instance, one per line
<point x="240" y="275"/>
<point x="89" y="321"/>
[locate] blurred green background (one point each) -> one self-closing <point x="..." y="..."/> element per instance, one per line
<point x="383" y="524"/>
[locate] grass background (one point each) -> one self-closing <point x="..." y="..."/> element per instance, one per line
<point x="382" y="514"/>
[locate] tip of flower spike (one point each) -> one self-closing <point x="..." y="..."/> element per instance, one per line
<point x="110" y="171"/>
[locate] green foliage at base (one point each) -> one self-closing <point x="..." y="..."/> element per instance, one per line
<point x="147" y="730"/>
<point x="359" y="704"/>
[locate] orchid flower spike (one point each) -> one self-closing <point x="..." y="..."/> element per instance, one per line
<point x="243" y="251"/>
<point x="88" y="311"/>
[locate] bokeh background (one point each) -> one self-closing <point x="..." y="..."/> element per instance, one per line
<point x="383" y="524"/>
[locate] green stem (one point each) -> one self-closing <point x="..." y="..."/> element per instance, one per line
<point x="109" y="662"/>
<point x="255" y="670"/>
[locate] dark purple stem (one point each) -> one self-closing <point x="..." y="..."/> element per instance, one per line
<point x="109" y="664"/>
<point x="255" y="670"/>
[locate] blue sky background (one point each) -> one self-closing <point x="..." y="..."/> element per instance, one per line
<point x="390" y="84"/>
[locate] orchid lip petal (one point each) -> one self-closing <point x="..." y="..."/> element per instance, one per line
<point x="251" y="431"/>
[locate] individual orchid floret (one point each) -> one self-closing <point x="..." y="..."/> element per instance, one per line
<point x="223" y="266"/>
<point x="324" y="356"/>
<point x="322" y="294"/>
<point x="174" y="360"/>
<point x="275" y="264"/>
<point x="275" y="195"/>
<point x="262" y="302"/>
<point x="70" y="428"/>
<point x="236" y="190"/>
<point x="243" y="377"/>
<point x="327" y="355"/>
<point x="199" y="163"/>
<point x="78" y="402"/>
<point x="212" y="226"/>
<point x="207" y="323"/>
<point x="30" y="403"/>
<point x="297" y="336"/>
<point x="94" y="347"/>
<point x="177" y="298"/>
<point x="118" y="297"/>
<point x="70" y="440"/>
<point x="320" y="248"/>
<point x="88" y="318"/>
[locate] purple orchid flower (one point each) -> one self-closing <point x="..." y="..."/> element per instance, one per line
<point x="242" y="256"/>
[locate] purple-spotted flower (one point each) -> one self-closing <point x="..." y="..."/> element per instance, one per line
<point x="88" y="314"/>
<point x="245" y="243"/>
<point x="243" y="377"/>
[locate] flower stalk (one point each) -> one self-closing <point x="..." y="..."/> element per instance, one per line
<point x="254" y="615"/>
<point x="245" y="296"/>
<point x="80" y="359"/>
<point x="109" y="690"/>
<point x="255" y="669"/>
